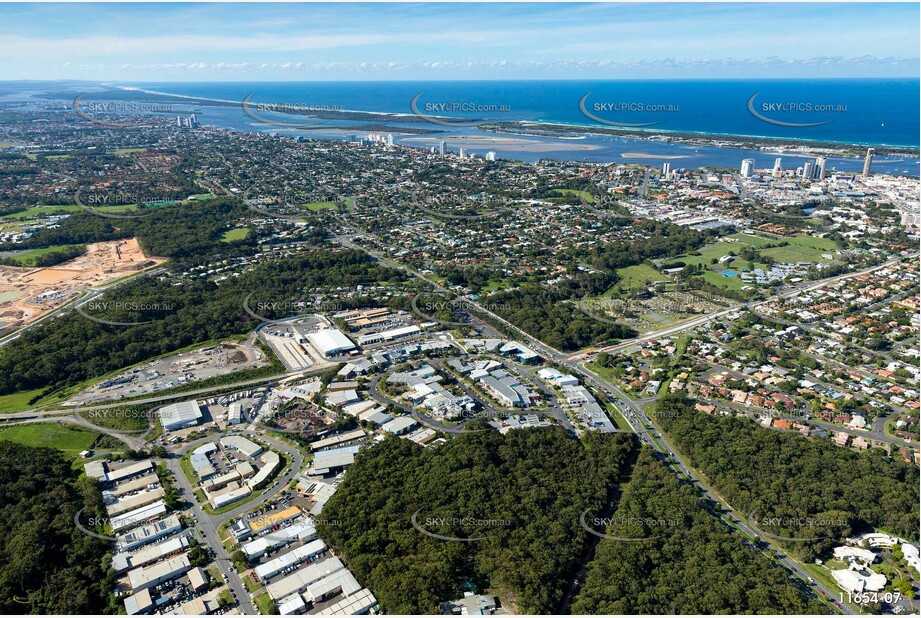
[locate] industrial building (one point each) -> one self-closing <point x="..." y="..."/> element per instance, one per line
<point x="353" y="605"/>
<point x="388" y="335"/>
<point x="330" y="342"/>
<point x="148" y="577"/>
<point x="115" y="476"/>
<point x="200" y="461"/>
<point x="239" y="443"/>
<point x="400" y="425"/>
<point x="133" y="518"/>
<point x="147" y="533"/>
<point x="235" y="414"/>
<point x="139" y="603"/>
<point x="294" y="557"/>
<point x="121" y="562"/>
<point x="134" y="502"/>
<point x="299" y="580"/>
<point x="264" y="522"/>
<point x="179" y="415"/>
<point x="130" y="486"/>
<point x="334" y="460"/>
<point x="304" y="530"/>
<point x="270" y="462"/>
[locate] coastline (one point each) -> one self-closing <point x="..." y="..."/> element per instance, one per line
<point x="771" y="144"/>
<point x="570" y="131"/>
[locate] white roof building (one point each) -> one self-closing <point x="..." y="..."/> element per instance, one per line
<point x="239" y="443"/>
<point x="330" y="342"/>
<point x="294" y="557"/>
<point x="303" y="530"/>
<point x="856" y="582"/>
<point x="151" y="576"/>
<point x="303" y="577"/>
<point x="147" y="533"/>
<point x="179" y="415"/>
<point x="133" y="518"/>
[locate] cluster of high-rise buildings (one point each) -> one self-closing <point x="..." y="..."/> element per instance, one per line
<point x="809" y="170"/>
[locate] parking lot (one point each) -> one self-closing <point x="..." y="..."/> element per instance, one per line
<point x="175" y="370"/>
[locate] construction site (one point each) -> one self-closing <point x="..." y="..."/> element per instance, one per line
<point x="27" y="294"/>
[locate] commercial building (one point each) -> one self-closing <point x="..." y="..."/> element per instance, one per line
<point x="304" y="530"/>
<point x="294" y="557"/>
<point x="388" y="335"/>
<point x="270" y="462"/>
<point x="121" y="562"/>
<point x="148" y="577"/>
<point x="241" y="444"/>
<point x="299" y="580"/>
<point x="868" y="161"/>
<point x="179" y="415"/>
<point x="116" y="476"/>
<point x="147" y="533"/>
<point x="134" y="502"/>
<point x="555" y="378"/>
<point x="748" y="165"/>
<point x="133" y="518"/>
<point x="334" y="460"/>
<point x="330" y="342"/>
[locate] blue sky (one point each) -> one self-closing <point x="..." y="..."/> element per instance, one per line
<point x="280" y="42"/>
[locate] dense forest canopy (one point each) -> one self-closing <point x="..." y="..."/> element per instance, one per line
<point x="772" y="475"/>
<point x="47" y="564"/>
<point x="691" y="564"/>
<point x="531" y="485"/>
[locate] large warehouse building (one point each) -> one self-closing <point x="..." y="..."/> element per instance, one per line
<point x="179" y="415"/>
<point x="330" y="342"/>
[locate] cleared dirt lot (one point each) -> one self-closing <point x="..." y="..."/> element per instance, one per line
<point x="30" y="293"/>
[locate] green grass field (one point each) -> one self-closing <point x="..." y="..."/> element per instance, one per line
<point x="752" y="240"/>
<point x="317" y="206"/>
<point x="17" y="402"/>
<point x="70" y="440"/>
<point x="43" y="211"/>
<point x="235" y="234"/>
<point x="727" y="283"/>
<point x="495" y="285"/>
<point x="636" y="276"/>
<point x="27" y="258"/>
<point x="803" y="248"/>
<point x="708" y="253"/>
<point x="124" y="151"/>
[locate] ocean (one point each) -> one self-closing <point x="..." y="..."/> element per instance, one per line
<point x="870" y="112"/>
<point x="874" y="112"/>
